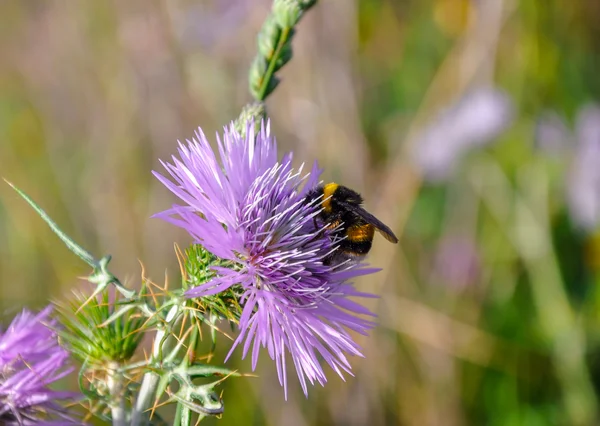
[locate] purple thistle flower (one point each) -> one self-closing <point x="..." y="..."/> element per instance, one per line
<point x="251" y="210"/>
<point x="30" y="360"/>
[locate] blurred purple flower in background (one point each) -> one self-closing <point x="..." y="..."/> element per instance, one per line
<point x="582" y="149"/>
<point x="250" y="209"/>
<point x="478" y="118"/>
<point x="30" y="360"/>
<point x="584" y="182"/>
<point x="552" y="135"/>
<point x="457" y="262"/>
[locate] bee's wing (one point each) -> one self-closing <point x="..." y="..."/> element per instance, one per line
<point x="380" y="226"/>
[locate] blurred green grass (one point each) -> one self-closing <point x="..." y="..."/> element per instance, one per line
<point x="92" y="94"/>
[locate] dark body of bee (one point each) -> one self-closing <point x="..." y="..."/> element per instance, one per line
<point x="352" y="226"/>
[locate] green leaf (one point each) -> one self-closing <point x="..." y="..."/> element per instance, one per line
<point x="71" y="245"/>
<point x="205" y="370"/>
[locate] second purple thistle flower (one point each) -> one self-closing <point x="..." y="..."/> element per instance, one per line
<point x="31" y="360"/>
<point x="250" y="208"/>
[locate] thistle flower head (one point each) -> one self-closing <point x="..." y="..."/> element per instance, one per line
<point x="251" y="209"/>
<point x="30" y="360"/>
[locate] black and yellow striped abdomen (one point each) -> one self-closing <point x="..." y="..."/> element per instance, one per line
<point x="359" y="239"/>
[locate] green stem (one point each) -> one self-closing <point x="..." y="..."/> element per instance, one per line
<point x="178" y="415"/>
<point x="566" y="337"/>
<point x="183" y="416"/>
<point x="116" y="389"/>
<point x="150" y="381"/>
<point x="140" y="416"/>
<point x="266" y="80"/>
<point x="531" y="237"/>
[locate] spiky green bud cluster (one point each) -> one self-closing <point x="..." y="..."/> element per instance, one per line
<point x="251" y="113"/>
<point x="90" y="334"/>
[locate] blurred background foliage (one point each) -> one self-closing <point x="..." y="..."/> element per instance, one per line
<point x="469" y="126"/>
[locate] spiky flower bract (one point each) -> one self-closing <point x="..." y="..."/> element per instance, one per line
<point x="30" y="360"/>
<point x="251" y="209"/>
<point x="91" y="336"/>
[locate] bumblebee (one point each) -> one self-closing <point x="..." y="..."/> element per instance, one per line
<point x="353" y="228"/>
